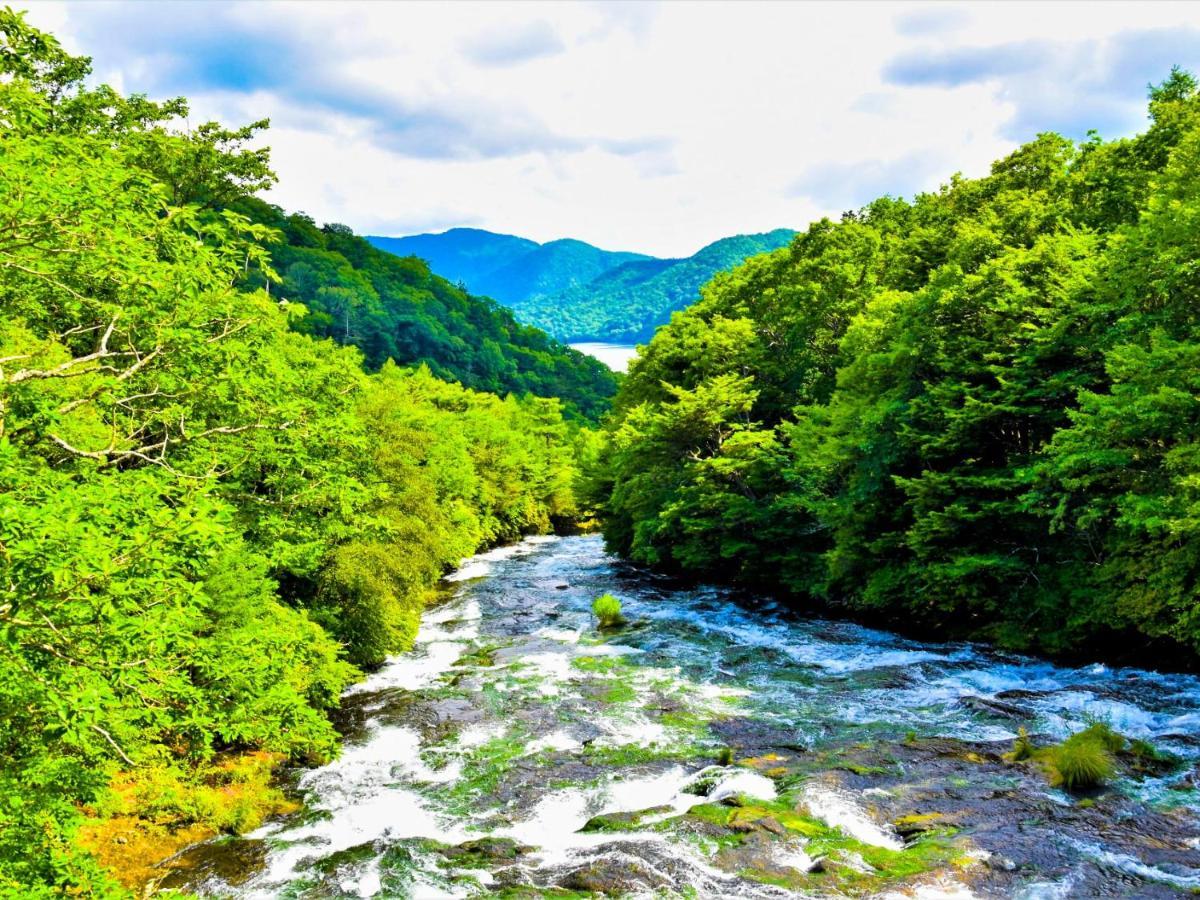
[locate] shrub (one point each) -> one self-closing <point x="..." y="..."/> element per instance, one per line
<point x="607" y="609"/>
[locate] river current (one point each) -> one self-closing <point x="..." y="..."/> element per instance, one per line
<point x="713" y="747"/>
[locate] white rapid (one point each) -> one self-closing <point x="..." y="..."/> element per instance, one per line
<point x="711" y="748"/>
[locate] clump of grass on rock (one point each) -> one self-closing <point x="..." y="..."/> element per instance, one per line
<point x="1083" y="761"/>
<point x="607" y="610"/>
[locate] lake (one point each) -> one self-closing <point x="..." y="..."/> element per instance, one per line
<point x="615" y="356"/>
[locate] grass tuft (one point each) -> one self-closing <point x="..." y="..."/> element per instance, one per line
<point x="607" y="609"/>
<point x="1080" y="762"/>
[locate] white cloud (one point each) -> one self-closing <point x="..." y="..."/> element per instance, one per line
<point x="634" y="125"/>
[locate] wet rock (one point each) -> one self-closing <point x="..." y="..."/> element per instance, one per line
<point x="1019" y="694"/>
<point x="229" y="861"/>
<point x="622" y="821"/>
<point x="347" y="858"/>
<point x="493" y="849"/>
<point x="998" y="708"/>
<point x="457" y="711"/>
<point x="754" y="737"/>
<point x="771" y="824"/>
<point x="611" y="875"/>
<point x="917" y="824"/>
<point x="756" y="853"/>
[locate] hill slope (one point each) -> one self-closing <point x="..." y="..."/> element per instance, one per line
<point x="550" y="269"/>
<point x="396" y="308"/>
<point x="573" y="290"/>
<point x="627" y="304"/>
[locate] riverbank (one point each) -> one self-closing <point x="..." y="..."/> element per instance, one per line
<point x="712" y="748"/>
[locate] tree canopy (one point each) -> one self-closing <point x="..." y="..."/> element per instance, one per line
<point x="973" y="412"/>
<point x="211" y="517"/>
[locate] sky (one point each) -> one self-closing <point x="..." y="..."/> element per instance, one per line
<point x="655" y="127"/>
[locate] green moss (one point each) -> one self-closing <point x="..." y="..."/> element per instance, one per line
<point x="619" y="692"/>
<point x="776" y="879"/>
<point x="597" y="663"/>
<point x="861" y="769"/>
<point x="619" y="822"/>
<point x="483" y="770"/>
<point x="636" y="754"/>
<point x="481" y="657"/>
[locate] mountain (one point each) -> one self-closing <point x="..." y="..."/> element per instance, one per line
<point x="506" y="268"/>
<point x="627" y="304"/>
<point x="573" y="290"/>
<point x="460" y="254"/>
<point x="551" y="269"/>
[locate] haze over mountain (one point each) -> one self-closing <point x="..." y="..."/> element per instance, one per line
<point x="574" y="290"/>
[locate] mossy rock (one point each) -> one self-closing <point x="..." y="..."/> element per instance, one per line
<point x="489" y="849"/>
<point x="918" y="823"/>
<point x="621" y="821"/>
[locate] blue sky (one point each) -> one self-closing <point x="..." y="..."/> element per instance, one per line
<point x="644" y="126"/>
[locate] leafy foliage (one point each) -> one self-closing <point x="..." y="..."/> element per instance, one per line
<point x="973" y="412"/>
<point x="207" y="516"/>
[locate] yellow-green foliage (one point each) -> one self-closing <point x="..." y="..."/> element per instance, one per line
<point x="607" y="610"/>
<point x="145" y="816"/>
<point x="205" y="514"/>
<point x="1022" y="748"/>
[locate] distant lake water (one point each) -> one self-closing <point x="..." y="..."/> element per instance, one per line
<point x="615" y="356"/>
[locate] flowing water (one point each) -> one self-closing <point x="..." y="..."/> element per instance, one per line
<point x="713" y="747"/>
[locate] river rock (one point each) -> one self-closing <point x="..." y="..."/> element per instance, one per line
<point x="610" y="875"/>
<point x="231" y="862"/>
<point x="997" y="708"/>
<point x="494" y="849"/>
<point x="621" y="821"/>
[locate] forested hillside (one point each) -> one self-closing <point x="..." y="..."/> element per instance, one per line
<point x="210" y="520"/>
<point x="628" y="303"/>
<point x="395" y="308"/>
<point x="975" y="412"/>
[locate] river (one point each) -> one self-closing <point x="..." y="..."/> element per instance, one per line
<point x="712" y="747"/>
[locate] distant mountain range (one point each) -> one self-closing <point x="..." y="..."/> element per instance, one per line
<point x="573" y="290"/>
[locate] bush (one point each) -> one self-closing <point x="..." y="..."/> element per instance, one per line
<point x="607" y="609"/>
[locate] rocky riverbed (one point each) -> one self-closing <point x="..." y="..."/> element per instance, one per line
<point x="714" y="747"/>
